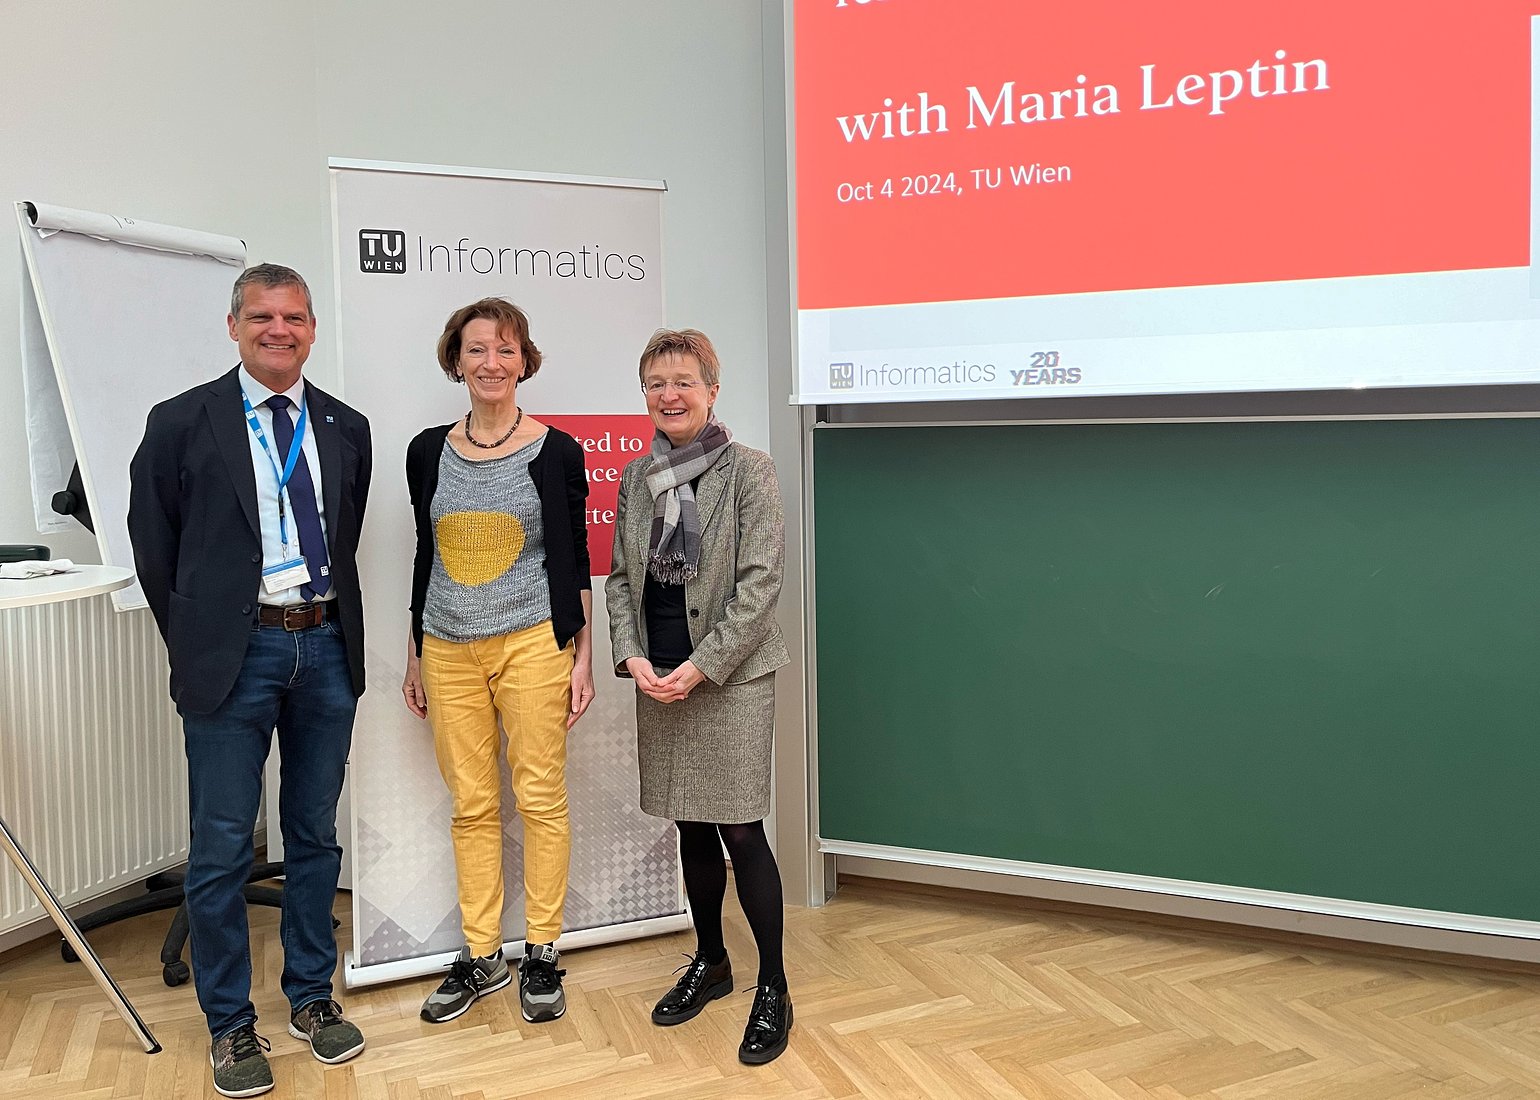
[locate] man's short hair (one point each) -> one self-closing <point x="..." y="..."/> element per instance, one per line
<point x="269" y="275"/>
<point x="669" y="342"/>
<point x="509" y="320"/>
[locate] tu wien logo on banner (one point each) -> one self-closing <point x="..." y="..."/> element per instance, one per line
<point x="382" y="251"/>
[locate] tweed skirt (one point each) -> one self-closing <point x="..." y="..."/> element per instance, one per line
<point x="707" y="758"/>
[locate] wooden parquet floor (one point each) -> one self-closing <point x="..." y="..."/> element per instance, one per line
<point x="898" y="993"/>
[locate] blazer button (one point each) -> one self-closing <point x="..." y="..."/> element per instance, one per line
<point x="256" y="559"/>
<point x="246" y="609"/>
<point x="694" y="612"/>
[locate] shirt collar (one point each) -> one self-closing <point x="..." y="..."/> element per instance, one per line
<point x="258" y="394"/>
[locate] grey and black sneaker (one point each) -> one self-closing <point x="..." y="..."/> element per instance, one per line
<point x="540" y="994"/>
<point x="469" y="977"/>
<point x="240" y="1067"/>
<point x="332" y="1039"/>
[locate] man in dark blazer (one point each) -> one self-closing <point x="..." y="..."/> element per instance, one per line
<point x="247" y="496"/>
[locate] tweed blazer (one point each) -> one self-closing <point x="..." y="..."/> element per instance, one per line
<point x="731" y="602"/>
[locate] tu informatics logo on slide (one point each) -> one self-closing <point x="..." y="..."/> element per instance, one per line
<point x="842" y="376"/>
<point x="382" y="251"/>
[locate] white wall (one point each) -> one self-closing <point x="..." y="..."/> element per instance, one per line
<point x="133" y="109"/>
<point x="221" y="117"/>
<point x="664" y="89"/>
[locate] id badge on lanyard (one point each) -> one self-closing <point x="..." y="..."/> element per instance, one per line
<point x="292" y="571"/>
<point x="285" y="575"/>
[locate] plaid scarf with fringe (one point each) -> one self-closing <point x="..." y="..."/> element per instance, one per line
<point x="673" y="548"/>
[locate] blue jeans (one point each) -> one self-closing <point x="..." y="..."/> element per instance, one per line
<point x="298" y="682"/>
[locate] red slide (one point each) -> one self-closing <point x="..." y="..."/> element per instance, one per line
<point x="964" y="149"/>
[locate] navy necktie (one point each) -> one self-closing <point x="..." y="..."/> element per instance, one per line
<point x="301" y="501"/>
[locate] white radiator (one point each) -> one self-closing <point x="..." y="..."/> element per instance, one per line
<point x="93" y="782"/>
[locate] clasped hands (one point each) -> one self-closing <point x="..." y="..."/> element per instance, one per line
<point x="671" y="688"/>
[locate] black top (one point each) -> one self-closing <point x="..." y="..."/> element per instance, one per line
<point x="562" y="482"/>
<point x="668" y="632"/>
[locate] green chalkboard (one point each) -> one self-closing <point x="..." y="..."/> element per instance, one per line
<point x="1299" y="656"/>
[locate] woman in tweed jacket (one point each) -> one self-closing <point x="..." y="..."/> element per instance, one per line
<point x="699" y="549"/>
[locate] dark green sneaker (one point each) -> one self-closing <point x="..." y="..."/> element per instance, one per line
<point x="332" y="1039"/>
<point x="240" y="1067"/>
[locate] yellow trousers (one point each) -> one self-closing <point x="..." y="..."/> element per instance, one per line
<point x="524" y="678"/>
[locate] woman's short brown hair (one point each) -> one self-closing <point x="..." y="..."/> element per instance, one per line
<point x="693" y="342"/>
<point x="508" y="318"/>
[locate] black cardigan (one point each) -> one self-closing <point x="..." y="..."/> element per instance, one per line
<point x="562" y="484"/>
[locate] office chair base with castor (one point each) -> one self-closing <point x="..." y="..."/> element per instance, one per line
<point x="165" y="892"/>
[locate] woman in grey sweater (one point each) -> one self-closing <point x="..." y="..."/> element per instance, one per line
<point x="500" y="612"/>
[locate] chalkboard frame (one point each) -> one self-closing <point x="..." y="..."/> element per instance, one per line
<point x="1506" y="915"/>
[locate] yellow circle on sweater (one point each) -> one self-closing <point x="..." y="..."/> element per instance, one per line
<point x="477" y="547"/>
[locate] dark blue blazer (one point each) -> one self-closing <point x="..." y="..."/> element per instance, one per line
<point x="192" y="519"/>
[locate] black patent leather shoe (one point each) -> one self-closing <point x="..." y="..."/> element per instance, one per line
<point x="769" y="1027"/>
<point x="700" y="984"/>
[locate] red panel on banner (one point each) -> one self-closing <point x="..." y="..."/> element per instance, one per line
<point x="1104" y="145"/>
<point x="609" y="442"/>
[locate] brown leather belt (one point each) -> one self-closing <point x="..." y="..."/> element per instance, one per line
<point x="297" y="616"/>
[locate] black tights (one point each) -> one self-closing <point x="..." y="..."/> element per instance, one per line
<point x="759" y="889"/>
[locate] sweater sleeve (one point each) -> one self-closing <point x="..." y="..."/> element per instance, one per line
<point x="422" y="560"/>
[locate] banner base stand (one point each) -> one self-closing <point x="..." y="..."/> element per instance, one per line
<point x="355" y="976"/>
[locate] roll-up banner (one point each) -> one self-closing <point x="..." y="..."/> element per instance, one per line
<point x="582" y="257"/>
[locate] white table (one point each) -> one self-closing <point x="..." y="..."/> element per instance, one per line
<point x="85" y="580"/>
<point x="80" y="582"/>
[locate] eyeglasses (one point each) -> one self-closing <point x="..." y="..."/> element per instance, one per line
<point x="683" y="387"/>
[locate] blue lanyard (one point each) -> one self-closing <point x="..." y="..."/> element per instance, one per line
<point x="289" y="463"/>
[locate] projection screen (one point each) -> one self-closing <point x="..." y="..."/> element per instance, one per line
<point x="999" y="200"/>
